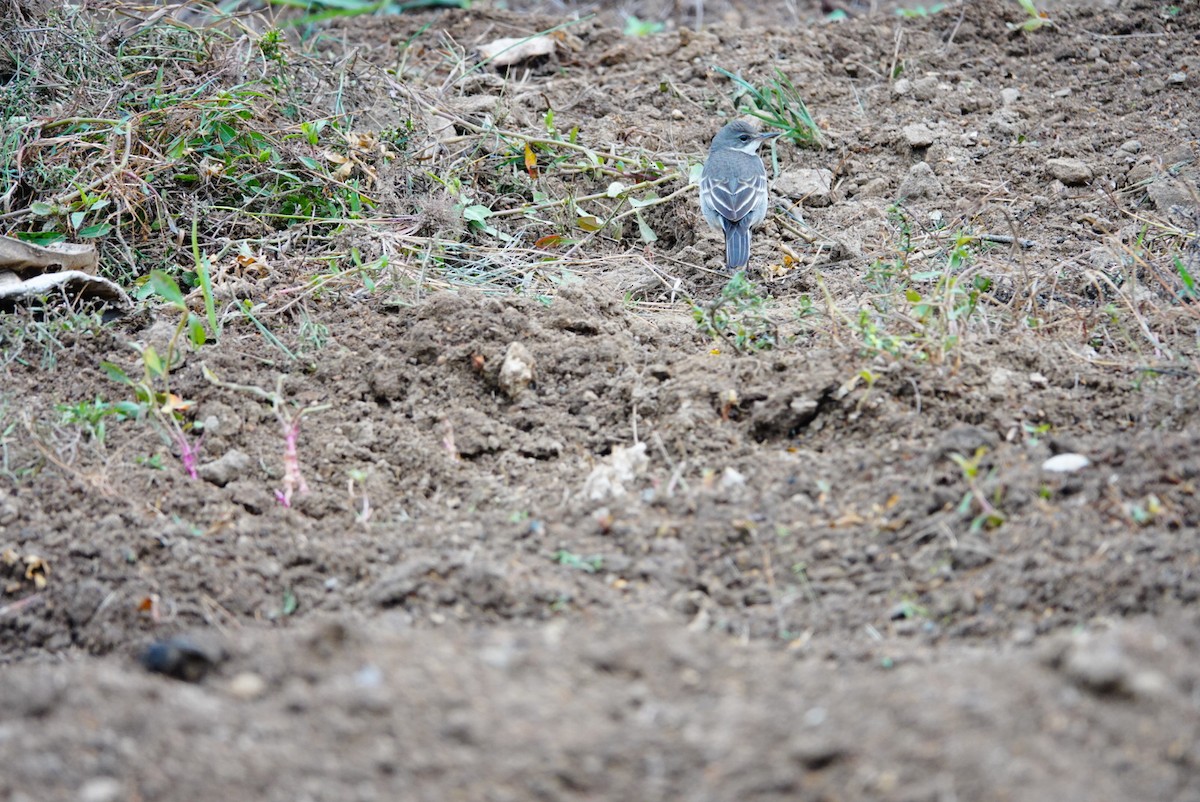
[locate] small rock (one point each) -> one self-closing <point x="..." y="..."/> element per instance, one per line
<point x="182" y="657"/>
<point x="1177" y="78"/>
<point x="1131" y="146"/>
<point x="812" y="187"/>
<point x="918" y="135"/>
<point x="1066" y="463"/>
<point x="1038" y="380"/>
<point x="1097" y="663"/>
<point x="1093" y="53"/>
<point x="8" y="511"/>
<point x="1165" y="193"/>
<point x="875" y="188"/>
<point x="732" y="478"/>
<point x="230" y="466"/>
<point x="902" y="87"/>
<point x="247" y="686"/>
<point x="1009" y="96"/>
<point x="1001" y="380"/>
<point x="101" y="789"/>
<point x="517" y="371"/>
<point x="609" y="479"/>
<point x="920" y="182"/>
<point x="964" y="439"/>
<point x="1071" y="172"/>
<point x="925" y="88"/>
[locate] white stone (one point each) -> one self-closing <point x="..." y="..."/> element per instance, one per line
<point x="1066" y="463"/>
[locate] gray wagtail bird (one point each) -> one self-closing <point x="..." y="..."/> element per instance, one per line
<point x="733" y="188"/>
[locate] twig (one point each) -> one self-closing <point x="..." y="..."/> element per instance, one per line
<point x="21" y="604"/>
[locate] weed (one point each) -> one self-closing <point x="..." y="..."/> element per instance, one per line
<point x="987" y="516"/>
<point x="588" y="565"/>
<point x="90" y="416"/>
<point x="921" y="11"/>
<point x="1034" y="19"/>
<point x="638" y="27"/>
<point x="738" y="316"/>
<point x="1034" y="432"/>
<point x="908" y="610"/>
<point x="778" y="104"/>
<point x="1144" y="512"/>
<point x="289" y="423"/>
<point x="152" y="390"/>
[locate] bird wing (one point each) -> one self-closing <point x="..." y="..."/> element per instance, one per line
<point x="734" y="199"/>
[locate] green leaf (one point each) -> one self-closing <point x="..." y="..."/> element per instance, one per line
<point x="196" y="332"/>
<point x="153" y="363"/>
<point x="97" y="230"/>
<point x="40" y="237"/>
<point x="204" y="273"/>
<point x="289" y="602"/>
<point x="477" y="214"/>
<point x="115" y="373"/>
<point x="589" y="223"/>
<point x="41" y="209"/>
<point x="644" y="229"/>
<point x="77" y="219"/>
<point x="167" y="288"/>
<point x="128" y="410"/>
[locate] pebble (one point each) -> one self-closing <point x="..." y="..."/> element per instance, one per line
<point x="1009" y="96"/>
<point x="925" y="88"/>
<point x="182" y="657"/>
<point x="813" y="187"/>
<point x="101" y="789"/>
<point x="247" y="685"/>
<point x="1066" y="463"/>
<point x="1165" y="193"/>
<point x="1177" y="78"/>
<point x="920" y="182"/>
<point x="918" y="135"/>
<point x="1071" y="172"/>
<point x="731" y="478"/>
<point x="902" y="87"/>
<point x="8" y="512"/>
<point x="229" y="466"/>
<point x="517" y="371"/>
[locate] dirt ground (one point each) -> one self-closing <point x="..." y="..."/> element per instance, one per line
<point x="671" y="568"/>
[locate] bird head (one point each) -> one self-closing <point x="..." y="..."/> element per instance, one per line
<point x="741" y="135"/>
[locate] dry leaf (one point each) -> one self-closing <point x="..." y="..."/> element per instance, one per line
<point x="531" y="161"/>
<point x="36" y="569"/>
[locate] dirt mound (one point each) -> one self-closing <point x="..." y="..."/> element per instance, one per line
<point x="543" y="507"/>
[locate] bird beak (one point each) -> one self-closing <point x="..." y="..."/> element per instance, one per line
<point x="770" y="134"/>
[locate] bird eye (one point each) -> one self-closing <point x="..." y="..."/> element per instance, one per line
<point x="744" y="138"/>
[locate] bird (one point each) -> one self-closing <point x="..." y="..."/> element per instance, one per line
<point x="733" y="188"/>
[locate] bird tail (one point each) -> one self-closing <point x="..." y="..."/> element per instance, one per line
<point x="737" y="244"/>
